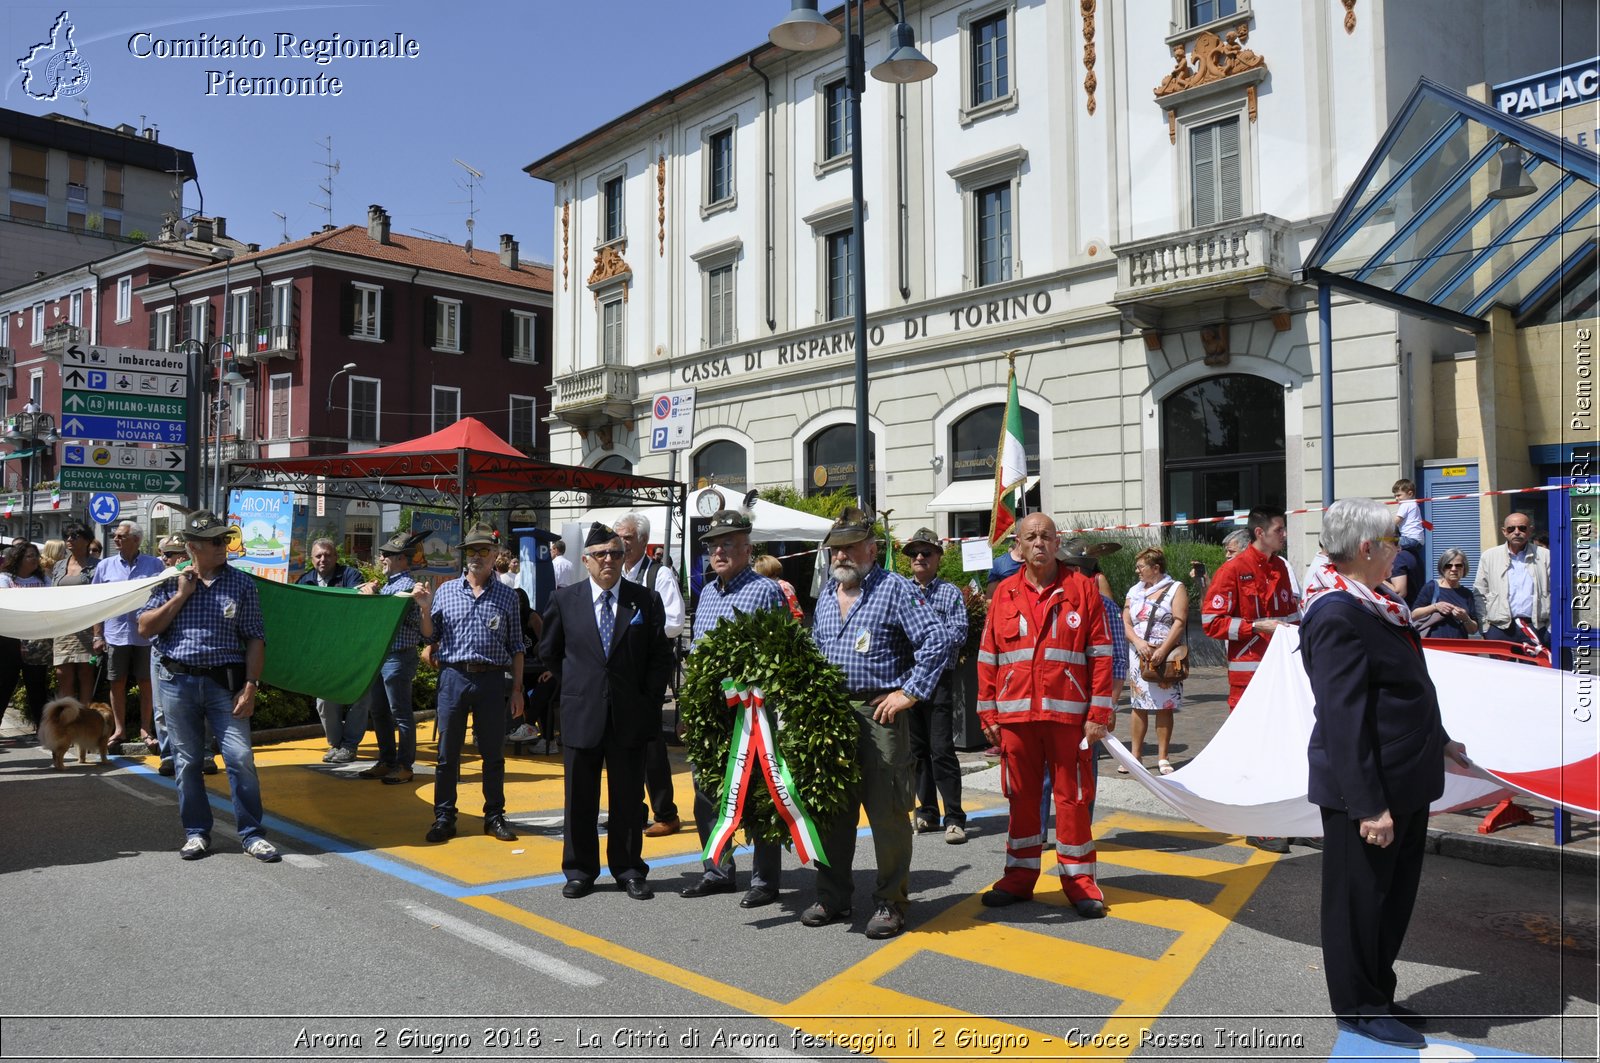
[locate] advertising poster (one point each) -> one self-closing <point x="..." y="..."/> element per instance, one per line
<point x="442" y="532"/>
<point x="263" y="531"/>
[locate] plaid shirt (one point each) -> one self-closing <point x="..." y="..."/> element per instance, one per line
<point x="409" y="633"/>
<point x="214" y="624"/>
<point x="748" y="593"/>
<point x="892" y="639"/>
<point x="484" y="629"/>
<point x="946" y="601"/>
<point x="1119" y="640"/>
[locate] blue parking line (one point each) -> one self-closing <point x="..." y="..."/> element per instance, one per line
<point x="1350" y="1046"/>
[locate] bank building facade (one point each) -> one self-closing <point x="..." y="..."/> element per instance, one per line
<point x="1122" y="195"/>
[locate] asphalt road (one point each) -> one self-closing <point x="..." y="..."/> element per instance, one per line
<point x="368" y="943"/>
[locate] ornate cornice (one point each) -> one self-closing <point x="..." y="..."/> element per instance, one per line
<point x="610" y="267"/>
<point x="566" y="223"/>
<point x="661" y="204"/>
<point x="1090" y="82"/>
<point x="1209" y="61"/>
<point x="1349" y="16"/>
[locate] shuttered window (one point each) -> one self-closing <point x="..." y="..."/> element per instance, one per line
<point x="611" y="332"/>
<point x="446" y="407"/>
<point x="1216" y="189"/>
<point x="521" y="421"/>
<point x="719" y="306"/>
<point x="364" y="407"/>
<point x="613" y="208"/>
<point x="29" y="169"/>
<point x="278" y="388"/>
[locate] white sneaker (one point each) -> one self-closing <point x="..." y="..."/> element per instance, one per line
<point x="525" y="733"/>
<point x="196" y="846"/>
<point x="263" y="850"/>
<point x="955" y="834"/>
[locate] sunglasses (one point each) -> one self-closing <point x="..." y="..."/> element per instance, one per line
<point x="604" y="555"/>
<point x="1523" y="528"/>
<point x="478" y="551"/>
<point x="917" y="554"/>
<point x="1455" y="564"/>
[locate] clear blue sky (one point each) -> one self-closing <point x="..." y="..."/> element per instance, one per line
<point x="496" y="84"/>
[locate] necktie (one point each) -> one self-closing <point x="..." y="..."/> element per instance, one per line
<point x="607" y="622"/>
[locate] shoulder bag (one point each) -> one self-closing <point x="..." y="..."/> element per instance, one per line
<point x="1175" y="669"/>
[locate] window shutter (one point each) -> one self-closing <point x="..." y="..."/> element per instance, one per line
<point x="464" y="328"/>
<point x="151" y="346"/>
<point x="1202" y="175"/>
<point x="508" y="333"/>
<point x="211" y="322"/>
<point x="430" y="322"/>
<point x="385" y="316"/>
<point x="349" y="307"/>
<point x="1230" y="188"/>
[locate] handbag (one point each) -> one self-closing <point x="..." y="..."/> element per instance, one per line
<point x="1175" y="669"/>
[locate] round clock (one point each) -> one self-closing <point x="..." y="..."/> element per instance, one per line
<point x="709" y="502"/>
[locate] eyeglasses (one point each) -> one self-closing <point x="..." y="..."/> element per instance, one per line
<point x="479" y="551"/>
<point x="1392" y="540"/>
<point x="1455" y="564"/>
<point x="604" y="555"/>
<point x="920" y="553"/>
<point x="726" y="546"/>
<point x="1510" y="528"/>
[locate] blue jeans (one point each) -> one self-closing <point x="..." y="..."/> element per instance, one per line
<point x="387" y="705"/>
<point x="344" y="725"/>
<point x="191" y="702"/>
<point x="484" y="695"/>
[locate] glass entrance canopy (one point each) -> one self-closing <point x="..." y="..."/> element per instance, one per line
<point x="1461" y="209"/>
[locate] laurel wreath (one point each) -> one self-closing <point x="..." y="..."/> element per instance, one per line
<point x="816" y="725"/>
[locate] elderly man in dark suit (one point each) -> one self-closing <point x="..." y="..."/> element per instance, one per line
<point x="605" y="641"/>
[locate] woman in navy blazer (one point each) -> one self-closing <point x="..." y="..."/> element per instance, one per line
<point x="1377" y="762"/>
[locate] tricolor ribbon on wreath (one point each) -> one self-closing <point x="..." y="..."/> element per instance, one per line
<point x="754" y="744"/>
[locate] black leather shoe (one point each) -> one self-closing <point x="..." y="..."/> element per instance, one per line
<point x="1001" y="899"/>
<point x="1090" y="908"/>
<point x="577" y="887"/>
<point x="1385" y="1029"/>
<point x="1414" y="1019"/>
<point x="497" y="826"/>
<point x="705" y="887"/>
<point x="442" y="830"/>
<point x="638" y="889"/>
<point x="758" y="897"/>
<point x="820" y="914"/>
<point x="1269" y="845"/>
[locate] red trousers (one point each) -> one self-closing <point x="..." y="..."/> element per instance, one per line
<point x="1024" y="749"/>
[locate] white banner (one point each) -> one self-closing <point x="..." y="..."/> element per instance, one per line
<point x="45" y="612"/>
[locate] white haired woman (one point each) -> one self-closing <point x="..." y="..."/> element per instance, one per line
<point x="1445" y="609"/>
<point x="1377" y="761"/>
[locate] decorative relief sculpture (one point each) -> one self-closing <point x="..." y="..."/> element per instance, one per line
<point x="661" y="203"/>
<point x="1349" y="16"/>
<point x="566" y="222"/>
<point x="1207" y="61"/>
<point x="609" y="265"/>
<point x="1090" y="82"/>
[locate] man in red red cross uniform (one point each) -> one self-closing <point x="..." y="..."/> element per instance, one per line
<point x="1249" y="597"/>
<point x="1044" y="691"/>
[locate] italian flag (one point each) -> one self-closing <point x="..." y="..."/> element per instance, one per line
<point x="1010" y="463"/>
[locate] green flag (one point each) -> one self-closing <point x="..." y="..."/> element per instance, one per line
<point x="326" y="641"/>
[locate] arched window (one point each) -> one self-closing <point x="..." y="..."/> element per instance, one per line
<point x="721" y="463"/>
<point x="831" y="457"/>
<point x="1223" y="443"/>
<point x="975" y="440"/>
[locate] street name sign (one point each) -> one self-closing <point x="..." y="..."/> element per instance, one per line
<point x="159" y="459"/>
<point x="123" y="429"/>
<point x="172" y="363"/>
<point x="127" y="481"/>
<point x="121" y="382"/>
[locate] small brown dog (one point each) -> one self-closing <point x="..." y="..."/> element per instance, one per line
<point x="66" y="723"/>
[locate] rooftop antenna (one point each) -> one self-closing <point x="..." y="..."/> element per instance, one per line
<point x="283" y="220"/>
<point x="175" y="217"/>
<point x="332" y="168"/>
<point x="472" y="208"/>
<point x="83" y="104"/>
<point x="432" y="236"/>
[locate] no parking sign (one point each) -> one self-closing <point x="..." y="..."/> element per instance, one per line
<point x="672" y="420"/>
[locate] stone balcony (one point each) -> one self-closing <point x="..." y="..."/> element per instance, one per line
<point x="600" y="395"/>
<point x="57" y="338"/>
<point x="1246" y="257"/>
<point x="267" y="341"/>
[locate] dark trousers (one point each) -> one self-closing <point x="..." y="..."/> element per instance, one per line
<point x="35" y="678"/>
<point x="1367" y="897"/>
<point x="766" y="862"/>
<point x="580" y="848"/>
<point x="658" y="783"/>
<point x="1514" y="633"/>
<point x="933" y="751"/>
<point x="484" y="695"/>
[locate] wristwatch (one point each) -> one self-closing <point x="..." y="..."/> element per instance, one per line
<point x="252" y="682"/>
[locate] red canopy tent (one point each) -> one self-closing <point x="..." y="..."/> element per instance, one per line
<point x="465" y="464"/>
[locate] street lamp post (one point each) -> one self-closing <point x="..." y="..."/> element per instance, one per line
<point x="33" y="430"/>
<point x="343" y="369"/>
<point x="805" y="30"/>
<point x="230" y="376"/>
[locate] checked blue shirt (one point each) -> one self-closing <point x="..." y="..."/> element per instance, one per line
<point x="946" y="600"/>
<point x="893" y="638"/>
<point x="749" y="592"/>
<point x="214" y="624"/>
<point x="409" y="633"/>
<point x="485" y="629"/>
<point x="1119" y="641"/>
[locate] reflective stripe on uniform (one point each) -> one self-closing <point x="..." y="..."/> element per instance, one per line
<point x="1069" y="708"/>
<point x="1024" y="843"/>
<point x="1086" y="849"/>
<point x="1099" y="702"/>
<point x="1020" y="861"/>
<point x="1015" y="657"/>
<point x="1059" y="655"/>
<point x="1074" y="869"/>
<point x="1235" y="629"/>
<point x="1243" y="666"/>
<point x="985" y="706"/>
<point x="1100" y="651"/>
<point x="987" y="657"/>
<point x="1015" y="705"/>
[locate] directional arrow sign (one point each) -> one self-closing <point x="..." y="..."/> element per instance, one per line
<point x="149" y="407"/>
<point x="127" y="359"/>
<point x="151" y="385"/>
<point x="95" y="456"/>
<point x="124" y="480"/>
<point x="123" y="429"/>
